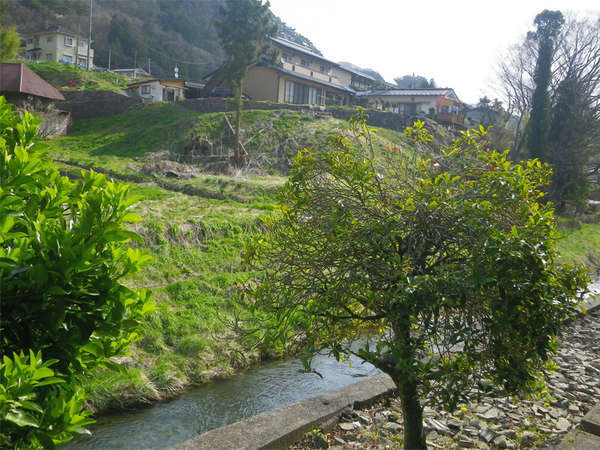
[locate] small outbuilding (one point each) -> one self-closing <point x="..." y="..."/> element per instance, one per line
<point x="27" y="91"/>
<point x="159" y="90"/>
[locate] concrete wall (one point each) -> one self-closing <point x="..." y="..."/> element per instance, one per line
<point x="382" y="119"/>
<point x="283" y="426"/>
<point x="90" y="104"/>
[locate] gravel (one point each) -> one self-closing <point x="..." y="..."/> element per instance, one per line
<point x="495" y="422"/>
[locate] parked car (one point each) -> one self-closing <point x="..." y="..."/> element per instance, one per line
<point x="225" y="92"/>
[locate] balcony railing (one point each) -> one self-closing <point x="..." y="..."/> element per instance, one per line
<point x="308" y="72"/>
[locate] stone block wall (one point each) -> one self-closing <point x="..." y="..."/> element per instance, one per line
<point x="376" y="118"/>
<point x="90" y="104"/>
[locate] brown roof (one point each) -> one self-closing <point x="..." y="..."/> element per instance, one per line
<point x="20" y="78"/>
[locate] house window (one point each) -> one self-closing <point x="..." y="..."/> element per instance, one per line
<point x="286" y="57"/>
<point x="29" y="41"/>
<point x="301" y="94"/>
<point x="82" y="62"/>
<point x="68" y="41"/>
<point x="146" y="90"/>
<point x="81" y="44"/>
<point x="49" y="57"/>
<point x="68" y="58"/>
<point x="49" y="39"/>
<point x="324" y="69"/>
<point x="304" y="63"/>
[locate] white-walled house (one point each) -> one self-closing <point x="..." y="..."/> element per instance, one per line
<point x="159" y="90"/>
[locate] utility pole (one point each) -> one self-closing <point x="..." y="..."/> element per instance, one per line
<point x="149" y="66"/>
<point x="89" y="37"/>
<point x="109" y="56"/>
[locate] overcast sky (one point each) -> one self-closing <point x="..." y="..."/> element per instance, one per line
<point x="458" y="43"/>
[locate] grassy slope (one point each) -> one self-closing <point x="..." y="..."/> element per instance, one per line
<point x="580" y="241"/>
<point x="72" y="78"/>
<point x="195" y="242"/>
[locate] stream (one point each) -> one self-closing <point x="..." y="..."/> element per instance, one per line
<point x="221" y="403"/>
<point x="224" y="402"/>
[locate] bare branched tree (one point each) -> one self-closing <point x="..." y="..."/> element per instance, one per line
<point x="577" y="57"/>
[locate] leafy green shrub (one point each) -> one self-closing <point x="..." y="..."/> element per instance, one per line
<point x="62" y="254"/>
<point x="37" y="407"/>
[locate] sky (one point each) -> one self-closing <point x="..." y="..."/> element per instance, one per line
<point x="458" y="43"/>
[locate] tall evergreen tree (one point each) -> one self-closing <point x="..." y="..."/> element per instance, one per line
<point x="548" y="26"/>
<point x="244" y="32"/>
<point x="571" y="145"/>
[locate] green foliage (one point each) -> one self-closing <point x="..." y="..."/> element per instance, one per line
<point x="62" y="255"/>
<point x="548" y="26"/>
<point x="10" y="43"/>
<point x="414" y="82"/>
<point x="244" y="33"/>
<point x="451" y="262"/>
<point x="571" y="145"/>
<point x="37" y="407"/>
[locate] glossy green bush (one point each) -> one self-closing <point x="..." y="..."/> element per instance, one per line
<point x="62" y="254"/>
<point x="37" y="407"/>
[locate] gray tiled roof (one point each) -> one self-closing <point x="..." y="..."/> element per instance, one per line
<point x="433" y="92"/>
<point x="300" y="48"/>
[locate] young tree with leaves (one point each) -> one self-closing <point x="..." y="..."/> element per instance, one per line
<point x="10" y="43"/>
<point x="244" y="31"/>
<point x="447" y="265"/>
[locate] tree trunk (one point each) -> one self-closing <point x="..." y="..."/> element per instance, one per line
<point x="414" y="438"/>
<point x="237" y="155"/>
<point x="407" y="382"/>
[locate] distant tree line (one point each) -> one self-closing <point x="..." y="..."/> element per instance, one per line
<point x="414" y="82"/>
<point x="552" y="85"/>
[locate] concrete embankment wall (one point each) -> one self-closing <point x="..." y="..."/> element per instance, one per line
<point x="382" y="119"/>
<point x="91" y="104"/>
<point x="284" y="426"/>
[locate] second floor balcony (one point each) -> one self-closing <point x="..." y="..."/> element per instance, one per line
<point x="311" y="73"/>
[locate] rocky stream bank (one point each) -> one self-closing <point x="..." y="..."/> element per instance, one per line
<point x="495" y="422"/>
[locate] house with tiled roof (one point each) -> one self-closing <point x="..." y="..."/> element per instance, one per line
<point x="26" y="90"/>
<point x="302" y="76"/>
<point x="441" y="103"/>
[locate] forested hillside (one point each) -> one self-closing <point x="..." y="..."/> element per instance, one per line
<point x="159" y="33"/>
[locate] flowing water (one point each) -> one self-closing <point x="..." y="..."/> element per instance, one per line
<point x="221" y="403"/>
<point x="224" y="402"/>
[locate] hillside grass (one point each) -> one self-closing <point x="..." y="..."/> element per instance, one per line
<point x="69" y="77"/>
<point x="579" y="241"/>
<point x="195" y="241"/>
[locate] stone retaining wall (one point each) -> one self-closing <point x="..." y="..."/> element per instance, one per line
<point x="284" y="426"/>
<point x="382" y="119"/>
<point x="91" y="104"/>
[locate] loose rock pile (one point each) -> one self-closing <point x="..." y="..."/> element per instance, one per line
<point x="497" y="422"/>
